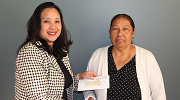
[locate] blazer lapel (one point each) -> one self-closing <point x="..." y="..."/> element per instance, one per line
<point x="56" y="65"/>
<point x="66" y="63"/>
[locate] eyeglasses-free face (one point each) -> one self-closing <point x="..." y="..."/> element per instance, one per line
<point x="50" y="25"/>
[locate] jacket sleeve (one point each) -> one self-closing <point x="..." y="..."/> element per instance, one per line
<point x="156" y="80"/>
<point x="76" y="81"/>
<point x="70" y="90"/>
<point x="31" y="79"/>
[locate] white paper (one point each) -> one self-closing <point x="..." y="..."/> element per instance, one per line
<point x="100" y="82"/>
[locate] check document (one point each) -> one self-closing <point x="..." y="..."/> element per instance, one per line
<point x="100" y="82"/>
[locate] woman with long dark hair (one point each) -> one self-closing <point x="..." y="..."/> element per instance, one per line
<point x="42" y="68"/>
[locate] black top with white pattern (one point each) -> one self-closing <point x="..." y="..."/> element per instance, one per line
<point x="124" y="84"/>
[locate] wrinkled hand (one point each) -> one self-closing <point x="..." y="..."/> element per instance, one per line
<point x="88" y="75"/>
<point x="90" y="98"/>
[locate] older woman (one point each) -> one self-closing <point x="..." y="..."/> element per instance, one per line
<point x="134" y="72"/>
<point x="43" y="71"/>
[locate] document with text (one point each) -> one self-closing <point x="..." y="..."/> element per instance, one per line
<point x="100" y="82"/>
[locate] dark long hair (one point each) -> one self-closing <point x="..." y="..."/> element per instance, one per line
<point x="61" y="44"/>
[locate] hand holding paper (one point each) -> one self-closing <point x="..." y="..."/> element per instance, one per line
<point x="100" y="82"/>
<point x="88" y="75"/>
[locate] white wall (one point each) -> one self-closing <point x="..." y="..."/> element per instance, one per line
<point x="157" y="29"/>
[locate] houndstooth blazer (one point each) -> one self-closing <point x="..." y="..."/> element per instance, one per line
<point x="38" y="75"/>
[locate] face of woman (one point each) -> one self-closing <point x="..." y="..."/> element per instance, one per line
<point x="121" y="33"/>
<point x="50" y="25"/>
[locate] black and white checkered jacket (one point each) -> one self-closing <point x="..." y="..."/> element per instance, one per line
<point x="39" y="77"/>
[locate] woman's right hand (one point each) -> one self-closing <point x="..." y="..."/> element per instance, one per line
<point x="90" y="98"/>
<point x="88" y="75"/>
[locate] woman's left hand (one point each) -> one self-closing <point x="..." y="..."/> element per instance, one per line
<point x="88" y="75"/>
